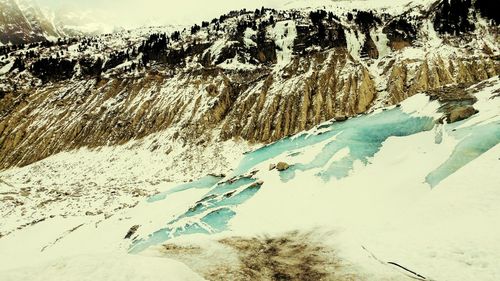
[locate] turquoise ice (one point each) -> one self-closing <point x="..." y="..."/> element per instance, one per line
<point x="210" y="214"/>
<point x="363" y="136"/>
<point x="205" y="182"/>
<point x="473" y="141"/>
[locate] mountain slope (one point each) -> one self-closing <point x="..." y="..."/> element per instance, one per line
<point x="259" y="76"/>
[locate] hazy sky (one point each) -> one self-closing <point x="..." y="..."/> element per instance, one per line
<point x="139" y="12"/>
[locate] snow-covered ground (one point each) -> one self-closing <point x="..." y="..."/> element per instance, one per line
<point x="102" y="181"/>
<point x="361" y="187"/>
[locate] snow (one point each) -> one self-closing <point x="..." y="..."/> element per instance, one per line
<point x="234" y="64"/>
<point x="112" y="267"/>
<point x="283" y="34"/>
<point x="388" y="6"/>
<point x="433" y="38"/>
<point x="381" y="41"/>
<point x="247" y="37"/>
<point x="107" y="179"/>
<point x="385" y="203"/>
<point x="446" y="233"/>
<point x="388" y="208"/>
<point x="6" y="68"/>
<point x="217" y="47"/>
<point x="419" y="105"/>
<point x="354" y="42"/>
<point x="412" y="53"/>
<point x="381" y="210"/>
<point x="488" y="109"/>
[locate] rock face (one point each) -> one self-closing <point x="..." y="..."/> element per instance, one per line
<point x="243" y="76"/>
<point x="461" y="113"/>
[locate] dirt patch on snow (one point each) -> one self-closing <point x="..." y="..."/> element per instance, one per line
<point x="290" y="256"/>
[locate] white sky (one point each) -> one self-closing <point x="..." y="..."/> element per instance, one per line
<point x="129" y="13"/>
<point x="133" y="13"/>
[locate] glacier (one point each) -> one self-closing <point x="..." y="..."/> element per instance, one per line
<point x="392" y="184"/>
<point x="474" y="141"/>
<point x="360" y="139"/>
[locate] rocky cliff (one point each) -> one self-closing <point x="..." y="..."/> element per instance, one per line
<point x="254" y="75"/>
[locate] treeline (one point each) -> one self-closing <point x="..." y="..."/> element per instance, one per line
<point x="452" y="17"/>
<point x="324" y="31"/>
<point x="364" y="19"/>
<point x="53" y="69"/>
<point x="7" y="49"/>
<point x="488" y="9"/>
<point x="155" y="46"/>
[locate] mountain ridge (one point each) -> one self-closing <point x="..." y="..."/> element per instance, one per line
<point x="256" y="75"/>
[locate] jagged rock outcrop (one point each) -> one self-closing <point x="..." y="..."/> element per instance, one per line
<point x="410" y="77"/>
<point x="242" y="76"/>
<point x="461" y="113"/>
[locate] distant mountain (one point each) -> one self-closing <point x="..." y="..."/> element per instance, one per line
<point x="75" y="23"/>
<point x="23" y="21"/>
<point x="18" y="25"/>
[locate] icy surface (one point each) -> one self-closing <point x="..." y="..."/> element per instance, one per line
<point x="394" y="184"/>
<point x="362" y="135"/>
<point x="474" y="141"/>
<point x="374" y="163"/>
<point x="205" y="182"/>
<point x="330" y="153"/>
<point x="208" y="215"/>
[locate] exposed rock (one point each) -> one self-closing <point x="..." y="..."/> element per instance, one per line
<point x="281" y="166"/>
<point x="369" y="48"/>
<point x="256" y="184"/>
<point x="461" y="113"/>
<point x="401" y="33"/>
<point x="131" y="231"/>
<point x="215" y="175"/>
<point x="272" y="166"/>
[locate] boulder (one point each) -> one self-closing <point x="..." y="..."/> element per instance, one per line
<point x="461" y="113"/>
<point x="281" y="166"/>
<point x="256" y="184"/>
